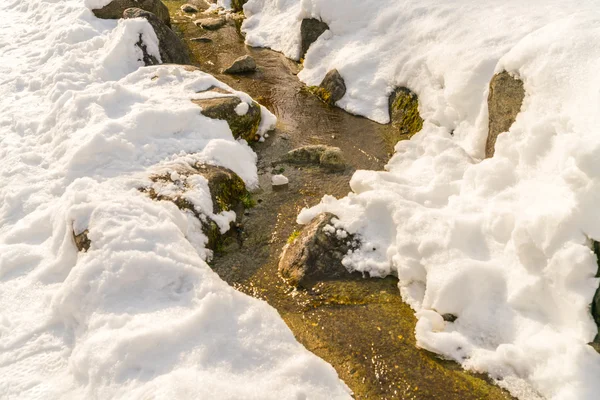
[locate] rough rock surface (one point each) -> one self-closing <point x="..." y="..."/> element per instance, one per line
<point x="115" y="9"/>
<point x="504" y="104"/>
<point x="316" y="253"/>
<point x="328" y="157"/>
<point x="171" y="48"/>
<point x="210" y="24"/>
<point x="310" y="30"/>
<point x="241" y="65"/>
<point x="242" y="126"/>
<point x="404" y="112"/>
<point x="332" y="88"/>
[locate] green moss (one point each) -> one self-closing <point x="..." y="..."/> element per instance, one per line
<point x="293" y="236"/>
<point x="405" y="118"/>
<point x="248" y="201"/>
<point x="321" y="93"/>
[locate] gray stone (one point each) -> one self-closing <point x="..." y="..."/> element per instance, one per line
<point x="115" y="9"/>
<point x="189" y="8"/>
<point x="310" y="30"/>
<point x="315" y="254"/>
<point x="241" y="65"/>
<point x="171" y="48"/>
<point x="210" y="24"/>
<point x="334" y="85"/>
<point x="242" y="126"/>
<point x="504" y="104"/>
<point x="326" y="156"/>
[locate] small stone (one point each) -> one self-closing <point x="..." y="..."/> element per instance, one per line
<point x="326" y="156"/>
<point x="210" y="24"/>
<point x="82" y="241"/>
<point x="201" y="39"/>
<point x="188" y="8"/>
<point x="241" y="65"/>
<point x="449" y="317"/>
<point x="334" y="84"/>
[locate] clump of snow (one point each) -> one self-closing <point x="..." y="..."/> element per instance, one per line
<point x="242" y="108"/>
<point x="139" y="314"/>
<point x="279" y="180"/>
<point x="504" y="243"/>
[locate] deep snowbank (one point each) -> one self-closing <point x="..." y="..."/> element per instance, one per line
<point x="140" y="315"/>
<point x="504" y="243"/>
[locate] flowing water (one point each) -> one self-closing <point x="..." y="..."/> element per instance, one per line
<point x="359" y="325"/>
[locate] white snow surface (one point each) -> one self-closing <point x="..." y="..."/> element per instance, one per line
<point x="279" y="180"/>
<point x="502" y="243"/>
<point x="140" y="314"/>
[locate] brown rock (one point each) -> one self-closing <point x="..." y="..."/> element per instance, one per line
<point x="210" y="24"/>
<point x="82" y="241"/>
<point x="310" y="30"/>
<point x="315" y="254"/>
<point x="504" y="103"/>
<point x="115" y="9"/>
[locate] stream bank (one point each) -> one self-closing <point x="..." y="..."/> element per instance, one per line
<point x="360" y="326"/>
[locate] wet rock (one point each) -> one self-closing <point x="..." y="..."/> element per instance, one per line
<point x="316" y="253"/>
<point x="238" y="5"/>
<point x="210" y="24"/>
<point x="310" y="30"/>
<point x="189" y="8"/>
<point x="328" y="157"/>
<point x="242" y="126"/>
<point x="595" y="307"/>
<point x="241" y="65"/>
<point x="332" y="88"/>
<point x="504" y="104"/>
<point x="171" y="48"/>
<point x="115" y="9"/>
<point x="404" y="115"/>
<point x="82" y="241"/>
<point x="201" y="39"/>
<point x="227" y="189"/>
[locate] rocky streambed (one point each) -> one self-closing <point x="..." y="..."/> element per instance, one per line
<point x="359" y="325"/>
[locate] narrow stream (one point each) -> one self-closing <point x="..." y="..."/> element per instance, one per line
<point x="360" y="326"/>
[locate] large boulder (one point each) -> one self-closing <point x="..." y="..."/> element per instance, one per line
<point x="404" y="113"/>
<point x="332" y="88"/>
<point x="115" y="9"/>
<point x="316" y="253"/>
<point x="172" y="49"/>
<point x="243" y="121"/>
<point x="504" y="104"/>
<point x="310" y="30"/>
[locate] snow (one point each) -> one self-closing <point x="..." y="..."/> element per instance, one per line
<point x="242" y="109"/>
<point x="140" y="314"/>
<point x="279" y="180"/>
<point x="503" y="243"/>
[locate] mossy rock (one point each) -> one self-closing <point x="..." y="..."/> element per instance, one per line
<point x="328" y="157"/>
<point x="228" y="193"/>
<point x="331" y="89"/>
<point x="404" y="116"/>
<point x="504" y="104"/>
<point x="238" y="5"/>
<point x="242" y="126"/>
